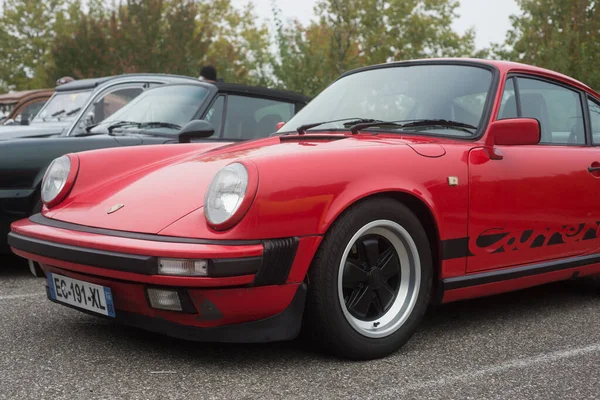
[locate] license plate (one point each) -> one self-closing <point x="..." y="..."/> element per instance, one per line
<point x="81" y="294"/>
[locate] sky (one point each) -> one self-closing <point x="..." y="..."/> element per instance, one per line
<point x="490" y="18"/>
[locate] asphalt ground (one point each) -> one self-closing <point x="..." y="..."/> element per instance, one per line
<point x="541" y="343"/>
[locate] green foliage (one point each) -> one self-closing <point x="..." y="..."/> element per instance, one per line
<point x="353" y="33"/>
<point x="41" y="41"/>
<point x="26" y="29"/>
<point x="562" y="35"/>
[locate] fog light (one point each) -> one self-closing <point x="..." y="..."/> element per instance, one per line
<point x="164" y="299"/>
<point x="182" y="267"/>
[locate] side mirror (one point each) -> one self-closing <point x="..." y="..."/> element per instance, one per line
<point x="197" y="128"/>
<point x="279" y="125"/>
<point x="89" y="119"/>
<point x="514" y="132"/>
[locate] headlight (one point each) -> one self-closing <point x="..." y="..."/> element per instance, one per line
<point x="58" y="179"/>
<point x="230" y="195"/>
<point x="226" y="193"/>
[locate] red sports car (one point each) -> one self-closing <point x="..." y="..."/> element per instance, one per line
<point x="400" y="185"/>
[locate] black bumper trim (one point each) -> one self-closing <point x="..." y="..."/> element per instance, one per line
<point x="139" y="264"/>
<point x="40" y="219"/>
<point x="281" y="327"/>
<point x="278" y="257"/>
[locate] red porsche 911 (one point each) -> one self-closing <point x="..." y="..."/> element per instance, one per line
<point x="400" y="185"/>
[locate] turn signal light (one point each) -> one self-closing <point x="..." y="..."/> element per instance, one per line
<point x="182" y="267"/>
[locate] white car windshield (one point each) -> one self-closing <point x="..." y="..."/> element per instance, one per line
<point x="422" y="93"/>
<point x="63" y="106"/>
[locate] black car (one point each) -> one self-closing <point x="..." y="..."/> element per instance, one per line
<point x="170" y="113"/>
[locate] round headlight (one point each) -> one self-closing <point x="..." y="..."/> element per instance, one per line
<point x="226" y="193"/>
<point x="55" y="178"/>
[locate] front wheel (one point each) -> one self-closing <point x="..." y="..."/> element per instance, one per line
<point x="370" y="281"/>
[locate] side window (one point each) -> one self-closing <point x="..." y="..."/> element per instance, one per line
<point x="107" y="104"/>
<point x="214" y="115"/>
<point x="557" y="108"/>
<point x="113" y="101"/>
<point x="508" y="107"/>
<point x="253" y="117"/>
<point x="595" y="120"/>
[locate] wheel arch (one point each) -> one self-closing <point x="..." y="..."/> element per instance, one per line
<point x="423" y="210"/>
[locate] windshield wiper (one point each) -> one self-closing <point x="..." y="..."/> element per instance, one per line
<point x="303" y="128"/>
<point x="440" y="122"/>
<point x="56" y="114"/>
<point x="120" y="124"/>
<point x="424" y="122"/>
<point x="73" y="111"/>
<point x="158" y="125"/>
<point x="363" y="125"/>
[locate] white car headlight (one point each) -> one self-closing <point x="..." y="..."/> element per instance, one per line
<point x="55" y="178"/>
<point x="226" y="193"/>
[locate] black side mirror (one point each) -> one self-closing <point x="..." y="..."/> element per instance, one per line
<point x="195" y="129"/>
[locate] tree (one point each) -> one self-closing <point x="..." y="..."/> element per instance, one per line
<point x="27" y="29"/>
<point x="562" y="35"/>
<point x="352" y="33"/>
<point x="166" y="36"/>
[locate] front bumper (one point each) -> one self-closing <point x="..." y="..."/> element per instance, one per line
<point x="255" y="292"/>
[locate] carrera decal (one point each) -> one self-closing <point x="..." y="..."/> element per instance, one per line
<point x="500" y="240"/>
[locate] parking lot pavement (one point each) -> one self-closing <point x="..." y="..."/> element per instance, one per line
<point x="542" y="343"/>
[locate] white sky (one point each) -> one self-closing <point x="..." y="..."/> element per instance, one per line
<point x="488" y="17"/>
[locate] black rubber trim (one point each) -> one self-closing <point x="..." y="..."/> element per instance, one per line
<point x="518" y="272"/>
<point x="455" y="248"/>
<point x="138" y="264"/>
<point x="278" y="257"/>
<point x="225" y="267"/>
<point x="40" y="219"/>
<point x="280" y="327"/>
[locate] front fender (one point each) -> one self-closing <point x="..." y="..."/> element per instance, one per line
<point x="304" y="195"/>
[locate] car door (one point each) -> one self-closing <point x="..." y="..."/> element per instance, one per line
<point x="538" y="202"/>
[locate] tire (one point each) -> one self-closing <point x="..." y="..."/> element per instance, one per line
<point x="34" y="266"/>
<point x="336" y="316"/>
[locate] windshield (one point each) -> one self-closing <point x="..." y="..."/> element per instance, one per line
<point x="63" y="106"/>
<point x="169" y="104"/>
<point x="402" y="93"/>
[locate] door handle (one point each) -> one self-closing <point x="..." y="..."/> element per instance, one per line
<point x="593" y="169"/>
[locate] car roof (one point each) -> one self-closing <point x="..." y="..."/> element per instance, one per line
<point x="92" y="83"/>
<point x="261" y="91"/>
<point x="16" y="96"/>
<point x="246" y="89"/>
<point x="500" y="65"/>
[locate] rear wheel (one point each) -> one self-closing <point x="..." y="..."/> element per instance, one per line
<point x="369" y="283"/>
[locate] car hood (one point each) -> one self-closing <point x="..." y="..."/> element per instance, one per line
<point x="45" y="129"/>
<point x="159" y="194"/>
